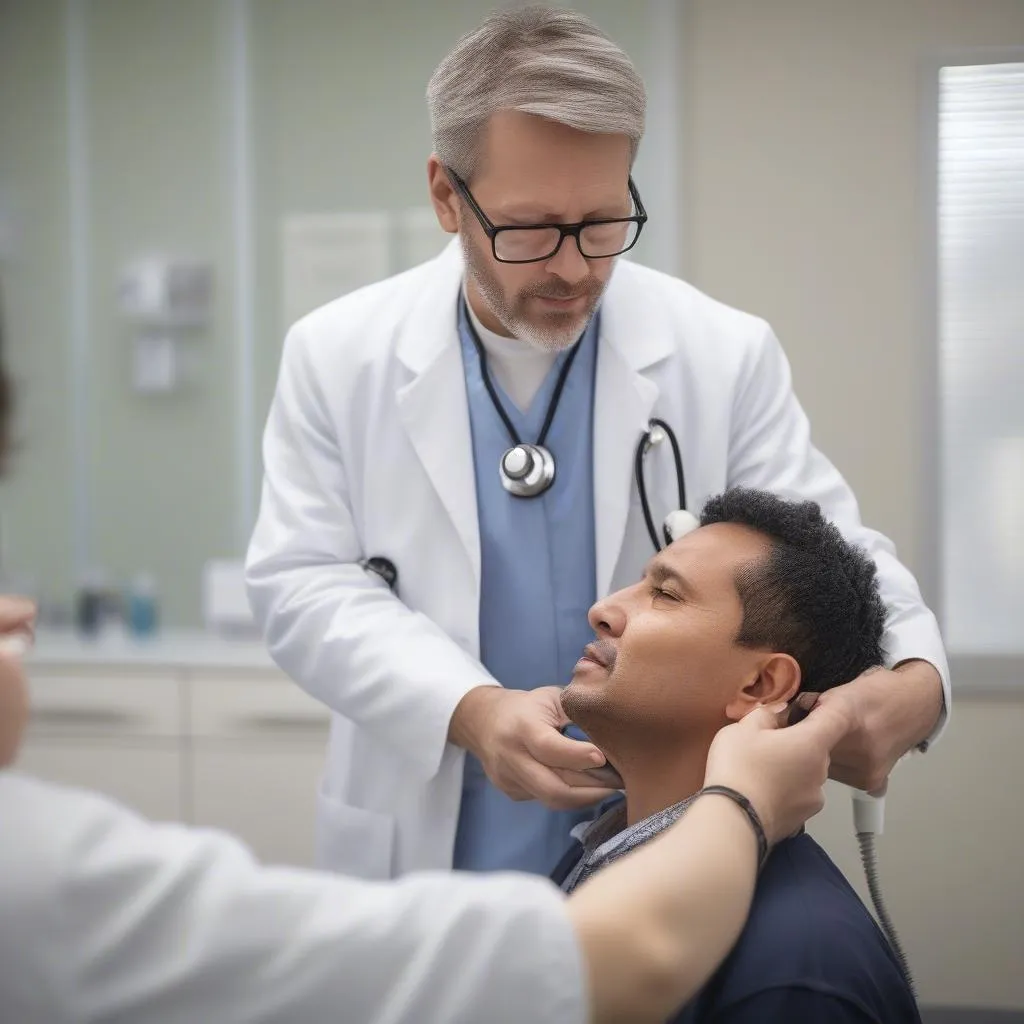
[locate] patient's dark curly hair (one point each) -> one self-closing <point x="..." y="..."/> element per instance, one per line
<point x="814" y="597"/>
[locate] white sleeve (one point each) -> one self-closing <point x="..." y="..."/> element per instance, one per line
<point x="108" y="918"/>
<point x="337" y="631"/>
<point x="771" y="449"/>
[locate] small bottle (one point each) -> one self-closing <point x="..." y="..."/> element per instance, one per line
<point x="90" y="603"/>
<point x="142" y="605"/>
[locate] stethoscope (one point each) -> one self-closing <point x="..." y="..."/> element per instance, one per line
<point x="679" y="522"/>
<point x="527" y="470"/>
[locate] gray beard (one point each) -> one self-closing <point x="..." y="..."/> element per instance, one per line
<point x="560" y="337"/>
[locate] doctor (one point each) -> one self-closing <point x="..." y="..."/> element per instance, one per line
<point x="424" y="574"/>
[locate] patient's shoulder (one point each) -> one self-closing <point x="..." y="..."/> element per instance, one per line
<point x="808" y="931"/>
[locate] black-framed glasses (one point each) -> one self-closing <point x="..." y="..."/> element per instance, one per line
<point x="532" y="243"/>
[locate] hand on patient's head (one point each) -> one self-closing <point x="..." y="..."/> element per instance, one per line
<point x="799" y="708"/>
<point x="781" y="771"/>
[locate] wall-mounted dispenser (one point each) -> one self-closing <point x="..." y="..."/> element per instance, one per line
<point x="163" y="299"/>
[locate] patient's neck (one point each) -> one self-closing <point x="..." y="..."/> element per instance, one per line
<point x="655" y="779"/>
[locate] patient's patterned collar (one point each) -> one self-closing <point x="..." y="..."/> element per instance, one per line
<point x="607" y="838"/>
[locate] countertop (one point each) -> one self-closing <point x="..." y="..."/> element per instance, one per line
<point x="170" y="648"/>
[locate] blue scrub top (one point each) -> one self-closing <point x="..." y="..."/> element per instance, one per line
<point x="538" y="582"/>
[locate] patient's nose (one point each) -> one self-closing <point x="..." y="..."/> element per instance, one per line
<point x="607" y="617"/>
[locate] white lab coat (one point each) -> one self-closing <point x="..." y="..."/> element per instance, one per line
<point x="367" y="451"/>
<point x="108" y="919"/>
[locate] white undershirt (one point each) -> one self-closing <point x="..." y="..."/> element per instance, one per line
<point x="518" y="366"/>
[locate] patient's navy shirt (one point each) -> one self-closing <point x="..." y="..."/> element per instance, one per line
<point x="810" y="952"/>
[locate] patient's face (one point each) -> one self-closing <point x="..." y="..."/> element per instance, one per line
<point x="671" y="665"/>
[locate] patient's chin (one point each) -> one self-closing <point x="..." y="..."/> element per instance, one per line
<point x="568" y="699"/>
<point x="584" y="703"/>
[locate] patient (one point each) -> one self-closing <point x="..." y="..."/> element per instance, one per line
<point x="765" y="600"/>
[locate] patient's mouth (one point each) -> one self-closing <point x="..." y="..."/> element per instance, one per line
<point x="600" y="652"/>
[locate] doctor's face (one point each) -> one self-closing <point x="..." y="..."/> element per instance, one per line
<point x="535" y="171"/>
<point x="665" y="669"/>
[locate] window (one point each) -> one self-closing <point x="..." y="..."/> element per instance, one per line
<point x="980" y="235"/>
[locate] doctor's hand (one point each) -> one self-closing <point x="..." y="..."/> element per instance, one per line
<point x="516" y="736"/>
<point x="890" y="712"/>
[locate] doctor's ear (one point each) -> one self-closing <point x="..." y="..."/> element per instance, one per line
<point x="777" y="682"/>
<point x="442" y="196"/>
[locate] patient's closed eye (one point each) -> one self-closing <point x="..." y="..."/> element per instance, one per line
<point x="657" y="592"/>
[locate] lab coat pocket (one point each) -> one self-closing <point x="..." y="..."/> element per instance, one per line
<point x="353" y="841"/>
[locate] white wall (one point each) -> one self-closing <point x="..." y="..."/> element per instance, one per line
<point x="801" y="175"/>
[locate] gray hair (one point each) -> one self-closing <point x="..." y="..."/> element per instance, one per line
<point x="545" y="61"/>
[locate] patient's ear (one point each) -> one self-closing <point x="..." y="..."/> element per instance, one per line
<point x="777" y="681"/>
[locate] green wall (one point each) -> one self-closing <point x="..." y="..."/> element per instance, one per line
<point x="36" y="497"/>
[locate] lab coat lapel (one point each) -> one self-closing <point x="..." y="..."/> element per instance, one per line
<point x="633" y="338"/>
<point x="433" y="407"/>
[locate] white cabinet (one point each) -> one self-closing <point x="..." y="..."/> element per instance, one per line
<point x="263" y="793"/>
<point x="196" y="731"/>
<point x="147" y="779"/>
<point x="113" y="731"/>
<point x="258" y="745"/>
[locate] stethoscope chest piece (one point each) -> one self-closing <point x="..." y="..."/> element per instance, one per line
<point x="527" y="470"/>
<point x="678" y="524"/>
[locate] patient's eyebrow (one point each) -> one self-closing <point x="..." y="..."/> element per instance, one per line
<point x="658" y="572"/>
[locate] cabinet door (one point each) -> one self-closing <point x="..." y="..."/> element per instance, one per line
<point x="262" y="792"/>
<point x="147" y="778"/>
<point x="258" y="747"/>
<point x="111" y="729"/>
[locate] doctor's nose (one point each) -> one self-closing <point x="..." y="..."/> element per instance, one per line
<point x="568" y="263"/>
<point x="607" y="618"/>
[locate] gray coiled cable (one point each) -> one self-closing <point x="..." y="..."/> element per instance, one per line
<point x="866" y="840"/>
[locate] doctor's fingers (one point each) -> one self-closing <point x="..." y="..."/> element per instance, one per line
<point x="605" y="777"/>
<point x="548" y="746"/>
<point x="551" y="790"/>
